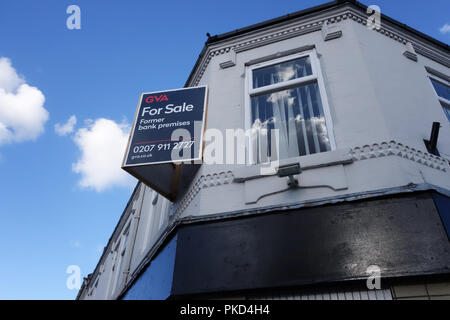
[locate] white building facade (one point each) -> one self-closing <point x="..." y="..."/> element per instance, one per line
<point x="354" y="106"/>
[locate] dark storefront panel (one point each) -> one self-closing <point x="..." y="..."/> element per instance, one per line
<point x="403" y="235"/>
<point x="155" y="282"/>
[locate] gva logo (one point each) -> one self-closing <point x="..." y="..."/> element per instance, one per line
<point x="159" y="98"/>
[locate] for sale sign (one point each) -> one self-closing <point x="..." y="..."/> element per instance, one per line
<point x="167" y="136"/>
<point x="168" y="127"/>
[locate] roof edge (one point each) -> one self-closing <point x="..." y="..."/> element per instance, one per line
<point x="91" y="275"/>
<point x="291" y="16"/>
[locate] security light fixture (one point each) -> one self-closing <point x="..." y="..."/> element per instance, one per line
<point x="289" y="171"/>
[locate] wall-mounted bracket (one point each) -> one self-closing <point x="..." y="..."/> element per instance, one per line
<point x="410" y="53"/>
<point x="289" y="171"/>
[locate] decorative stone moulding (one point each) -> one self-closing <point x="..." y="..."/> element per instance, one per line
<point x="410" y="53"/>
<point x="203" y="182"/>
<point x="332" y="177"/>
<point x="230" y="61"/>
<point x="376" y="150"/>
<point x="331" y="32"/>
<point x="312" y="26"/>
<point x="393" y="148"/>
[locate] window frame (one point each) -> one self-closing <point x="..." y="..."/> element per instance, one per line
<point x="120" y="248"/>
<point x="441" y="100"/>
<point x="315" y="77"/>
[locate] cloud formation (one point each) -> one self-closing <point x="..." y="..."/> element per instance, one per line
<point x="75" y="244"/>
<point x="445" y="28"/>
<point x="102" y="144"/>
<point x="22" y="112"/>
<point x="68" y="127"/>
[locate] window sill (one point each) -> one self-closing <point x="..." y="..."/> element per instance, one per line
<point x="312" y="161"/>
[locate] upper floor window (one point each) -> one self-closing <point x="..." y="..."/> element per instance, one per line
<point x="287" y="95"/>
<point x="119" y="259"/>
<point x="442" y="89"/>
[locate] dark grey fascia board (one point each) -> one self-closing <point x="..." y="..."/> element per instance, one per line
<point x="276" y="21"/>
<point x="328" y="5"/>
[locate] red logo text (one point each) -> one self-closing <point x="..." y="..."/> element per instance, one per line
<point x="159" y="98"/>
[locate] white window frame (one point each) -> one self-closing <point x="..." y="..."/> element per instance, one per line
<point x="120" y="248"/>
<point x="441" y="99"/>
<point x="114" y="255"/>
<point x="316" y="76"/>
<point x="115" y="269"/>
<point x="150" y="220"/>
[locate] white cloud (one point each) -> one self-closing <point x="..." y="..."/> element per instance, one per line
<point x="445" y="28"/>
<point x="22" y="112"/>
<point x="9" y="79"/>
<point x="102" y="144"/>
<point x="65" y="129"/>
<point x="75" y="244"/>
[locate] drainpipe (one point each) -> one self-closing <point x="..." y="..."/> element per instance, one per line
<point x="432" y="143"/>
<point x="434" y="136"/>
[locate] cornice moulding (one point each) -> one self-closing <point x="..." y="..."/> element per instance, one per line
<point x="304" y="26"/>
<point x="366" y="152"/>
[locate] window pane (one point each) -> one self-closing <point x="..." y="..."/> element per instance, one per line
<point x="298" y="116"/>
<point x="442" y="90"/>
<point x="446" y="110"/>
<point x="282" y="72"/>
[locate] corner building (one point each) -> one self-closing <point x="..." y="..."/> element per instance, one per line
<point x="355" y="109"/>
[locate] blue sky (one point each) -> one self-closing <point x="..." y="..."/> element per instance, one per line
<point x="61" y="192"/>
